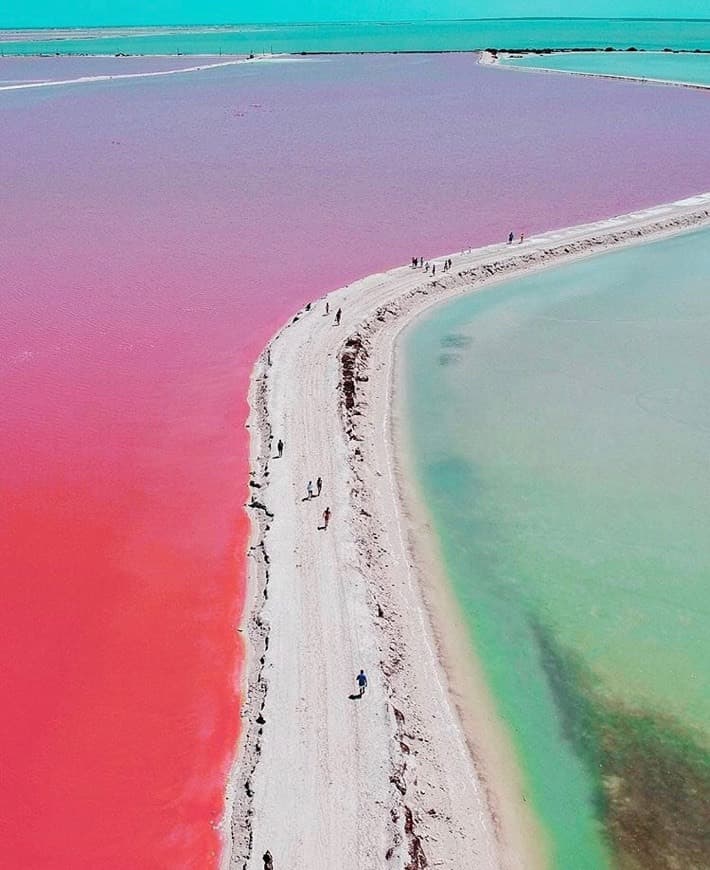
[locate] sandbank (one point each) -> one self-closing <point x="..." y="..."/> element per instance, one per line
<point x="106" y="77"/>
<point x="487" y="58"/>
<point x="417" y="773"/>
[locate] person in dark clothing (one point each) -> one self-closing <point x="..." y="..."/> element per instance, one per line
<point x="326" y="518"/>
<point x="280" y="448"/>
<point x="338" y="315"/>
<point x="361" y="682"/>
<point x="319" y="485"/>
<point x="511" y="237"/>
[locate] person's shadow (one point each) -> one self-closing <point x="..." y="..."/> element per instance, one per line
<point x="354" y="697"/>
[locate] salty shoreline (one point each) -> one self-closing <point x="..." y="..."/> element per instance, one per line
<point x="487" y="58"/>
<point x="402" y="777"/>
<point x="106" y="77"/>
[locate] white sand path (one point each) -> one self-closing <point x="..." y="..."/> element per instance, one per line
<point x="84" y="80"/>
<point x="392" y="780"/>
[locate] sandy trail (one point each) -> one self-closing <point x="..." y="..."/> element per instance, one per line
<point x="393" y="779"/>
<point x="86" y="80"/>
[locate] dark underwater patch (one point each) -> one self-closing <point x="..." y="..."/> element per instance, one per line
<point x="652" y="775"/>
<point x="456" y="340"/>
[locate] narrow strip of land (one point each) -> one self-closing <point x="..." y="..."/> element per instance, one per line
<point x="85" y="80"/>
<point x="392" y="779"/>
<point x="497" y="60"/>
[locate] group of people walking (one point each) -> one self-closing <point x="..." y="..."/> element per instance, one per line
<point x="315" y="492"/>
<point x="312" y="493"/>
<point x="418" y="263"/>
<point x="319" y="487"/>
<point x="338" y="313"/>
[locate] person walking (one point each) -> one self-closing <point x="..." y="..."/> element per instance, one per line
<point x="522" y="238"/>
<point x="319" y="485"/>
<point x="309" y="489"/>
<point x="326" y="518"/>
<point x="511" y="236"/>
<point x="280" y="448"/>
<point x="338" y="315"/>
<point x="327" y="307"/>
<point x="361" y="682"/>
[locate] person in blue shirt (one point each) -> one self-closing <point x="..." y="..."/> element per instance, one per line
<point x="362" y="682"/>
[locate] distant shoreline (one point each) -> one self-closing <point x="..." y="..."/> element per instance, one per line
<point x="493" y="53"/>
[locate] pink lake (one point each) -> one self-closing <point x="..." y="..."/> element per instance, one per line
<point x="153" y="234"/>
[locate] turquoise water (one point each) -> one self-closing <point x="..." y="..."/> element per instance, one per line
<point x="693" y="68"/>
<point x="366" y="36"/>
<point x="560" y="428"/>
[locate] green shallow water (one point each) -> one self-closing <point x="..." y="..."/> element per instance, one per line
<point x="560" y="432"/>
<point x="688" y="68"/>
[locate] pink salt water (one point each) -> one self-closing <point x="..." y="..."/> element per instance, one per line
<point x="155" y="232"/>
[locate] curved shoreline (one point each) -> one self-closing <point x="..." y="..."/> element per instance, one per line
<point x="397" y="779"/>
<point x="488" y="59"/>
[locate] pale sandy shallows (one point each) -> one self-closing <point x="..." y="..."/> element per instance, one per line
<point x="392" y="780"/>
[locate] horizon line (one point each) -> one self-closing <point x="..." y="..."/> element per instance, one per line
<point x="384" y="22"/>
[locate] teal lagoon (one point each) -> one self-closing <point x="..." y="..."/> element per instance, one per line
<point x="662" y="66"/>
<point x="560" y="432"/>
<point x="465" y="35"/>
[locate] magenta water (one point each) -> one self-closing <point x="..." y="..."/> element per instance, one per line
<point x="155" y="232"/>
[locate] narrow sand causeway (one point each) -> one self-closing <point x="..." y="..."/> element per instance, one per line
<point x="390" y="780"/>
<point x="149" y="74"/>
